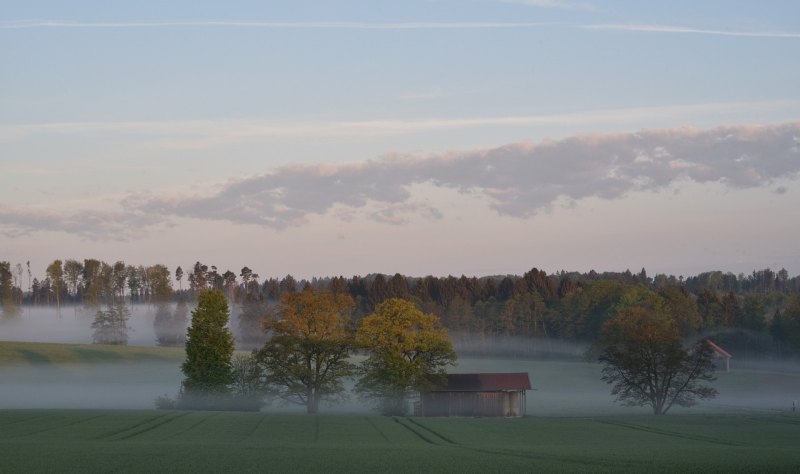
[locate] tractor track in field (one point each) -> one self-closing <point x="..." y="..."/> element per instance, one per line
<point x="151" y="427"/>
<point x="34" y="417"/>
<point x="431" y="431"/>
<point x="195" y="425"/>
<point x="380" y="431"/>
<point x="448" y="443"/>
<point x="255" y="428"/>
<point x="112" y="433"/>
<point x="416" y="432"/>
<point x="673" y="434"/>
<point x="59" y="426"/>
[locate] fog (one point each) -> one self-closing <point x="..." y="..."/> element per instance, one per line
<point x="564" y="383"/>
<point x="72" y="325"/>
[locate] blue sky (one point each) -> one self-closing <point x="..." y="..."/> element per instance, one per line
<point x="421" y="137"/>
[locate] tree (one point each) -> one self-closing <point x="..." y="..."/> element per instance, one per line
<point x="7" y="301"/>
<point x="247" y="388"/>
<point x="646" y="363"/>
<point x="158" y="277"/>
<point x="111" y="326"/>
<point x="408" y="351"/>
<point x="55" y="272"/>
<point x="209" y="347"/>
<point x="73" y="270"/>
<point x="306" y="356"/>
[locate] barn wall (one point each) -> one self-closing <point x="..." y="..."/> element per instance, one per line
<point x="471" y="404"/>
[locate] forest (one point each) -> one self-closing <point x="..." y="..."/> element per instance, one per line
<point x="753" y="315"/>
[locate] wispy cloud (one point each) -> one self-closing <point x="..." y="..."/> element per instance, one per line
<point x="562" y="4"/>
<point x="90" y="225"/>
<point x="352" y="25"/>
<point x="517" y="180"/>
<point x="194" y="134"/>
<point x="690" y="30"/>
<point x="329" y="25"/>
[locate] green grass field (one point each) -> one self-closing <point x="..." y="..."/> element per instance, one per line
<point x="575" y="426"/>
<point x="140" y="441"/>
<point x="40" y="353"/>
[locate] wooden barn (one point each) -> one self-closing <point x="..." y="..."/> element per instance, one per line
<point x="495" y="394"/>
<point x="722" y="358"/>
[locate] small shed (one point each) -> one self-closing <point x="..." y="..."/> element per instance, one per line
<point x="722" y="358"/>
<point x="487" y="394"/>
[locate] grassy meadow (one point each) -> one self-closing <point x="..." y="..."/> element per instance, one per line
<point x="88" y="408"/>
<point x="139" y="441"/>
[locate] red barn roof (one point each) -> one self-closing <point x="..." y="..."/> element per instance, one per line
<point x="720" y="351"/>
<point x="490" y="382"/>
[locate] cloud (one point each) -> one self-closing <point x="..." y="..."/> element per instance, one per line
<point x="517" y="180"/>
<point x="197" y="134"/>
<point x="314" y="25"/>
<point x="351" y="25"/>
<point x="90" y="225"/>
<point x="690" y="30"/>
<point x="562" y="4"/>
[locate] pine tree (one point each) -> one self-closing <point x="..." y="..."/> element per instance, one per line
<point x="209" y="348"/>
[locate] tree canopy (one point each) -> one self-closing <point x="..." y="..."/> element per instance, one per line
<point x="646" y="363"/>
<point x="306" y="356"/>
<point x="209" y="347"/>
<point x="408" y="351"/>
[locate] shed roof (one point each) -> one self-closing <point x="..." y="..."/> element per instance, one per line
<point x="720" y="351"/>
<point x="486" y="382"/>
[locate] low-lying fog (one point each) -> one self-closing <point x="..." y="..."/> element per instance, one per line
<point x="73" y="325"/>
<point x="564" y="384"/>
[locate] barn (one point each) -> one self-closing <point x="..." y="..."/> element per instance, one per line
<point x="487" y="394"/>
<point x="722" y="358"/>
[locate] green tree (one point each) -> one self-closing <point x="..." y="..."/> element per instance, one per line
<point x="646" y="363"/>
<point x="209" y="347"/>
<point x="73" y="270"/>
<point x="7" y="301"/>
<point x="158" y="277"/>
<point x="408" y="351"/>
<point x="247" y="389"/>
<point x="306" y="356"/>
<point x="111" y="326"/>
<point x="55" y="272"/>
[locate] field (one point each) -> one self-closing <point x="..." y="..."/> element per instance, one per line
<point x="137" y="441"/>
<point x="87" y="408"/>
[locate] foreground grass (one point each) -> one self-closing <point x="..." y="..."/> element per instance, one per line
<point x="136" y="441"/>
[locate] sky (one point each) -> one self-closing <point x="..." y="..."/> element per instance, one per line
<point x="476" y="137"/>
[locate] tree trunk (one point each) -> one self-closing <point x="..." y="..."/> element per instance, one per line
<point x="312" y="406"/>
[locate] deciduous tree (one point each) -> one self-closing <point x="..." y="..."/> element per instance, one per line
<point x="55" y="272"/>
<point x="306" y="356"/>
<point x="111" y="326"/>
<point x="646" y="363"/>
<point x="408" y="352"/>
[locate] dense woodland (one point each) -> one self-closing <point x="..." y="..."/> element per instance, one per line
<point x="751" y="315"/>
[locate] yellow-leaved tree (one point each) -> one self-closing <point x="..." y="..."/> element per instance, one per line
<point x="408" y="351"/>
<point x="307" y="354"/>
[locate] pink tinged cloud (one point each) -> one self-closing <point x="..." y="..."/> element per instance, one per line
<point x="517" y="180"/>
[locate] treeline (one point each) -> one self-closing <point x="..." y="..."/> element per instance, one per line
<point x="758" y="313"/>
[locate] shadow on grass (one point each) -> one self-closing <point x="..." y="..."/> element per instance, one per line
<point x="34" y="357"/>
